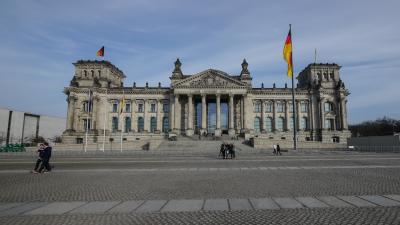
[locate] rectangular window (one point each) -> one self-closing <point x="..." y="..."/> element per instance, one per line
<point x="290" y="107"/>
<point x="87" y="107"/>
<point x="114" y="124"/>
<point x="127" y="124"/>
<point x="304" y="107"/>
<point x="328" y="107"/>
<point x="153" y="107"/>
<point x="257" y="107"/>
<point x="79" y="140"/>
<point x="140" y="107"/>
<point x="165" y="107"/>
<point x="280" y="107"/>
<point x="291" y="123"/>
<point x="128" y="107"/>
<point x="303" y="123"/>
<point x="329" y="124"/>
<point x="87" y="126"/>
<point x="269" y="124"/>
<point x="268" y="108"/>
<point x="115" y="107"/>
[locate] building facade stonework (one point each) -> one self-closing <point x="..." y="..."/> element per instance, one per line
<point x="209" y="102"/>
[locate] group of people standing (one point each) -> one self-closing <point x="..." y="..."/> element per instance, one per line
<point x="43" y="162"/>
<point x="227" y="150"/>
<point x="277" y="149"/>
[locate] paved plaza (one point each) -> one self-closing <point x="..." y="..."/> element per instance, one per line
<point x="318" y="187"/>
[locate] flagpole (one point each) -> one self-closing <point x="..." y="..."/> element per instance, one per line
<point x="293" y="100"/>
<point x="105" y="112"/>
<point x="122" y="109"/>
<point x="87" y="121"/>
<point x="105" y="121"/>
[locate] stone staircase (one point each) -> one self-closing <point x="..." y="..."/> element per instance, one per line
<point x="207" y="145"/>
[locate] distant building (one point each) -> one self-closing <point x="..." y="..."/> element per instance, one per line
<point x="22" y="127"/>
<point x="211" y="102"/>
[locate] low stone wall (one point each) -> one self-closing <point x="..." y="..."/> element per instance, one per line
<point x="264" y="143"/>
<point x="116" y="137"/>
<point x="116" y="145"/>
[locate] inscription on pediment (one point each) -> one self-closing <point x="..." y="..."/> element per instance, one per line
<point x="210" y="79"/>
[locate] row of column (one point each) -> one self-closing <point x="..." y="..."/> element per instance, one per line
<point x="175" y="106"/>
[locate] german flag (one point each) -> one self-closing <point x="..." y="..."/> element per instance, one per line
<point x="100" y="52"/>
<point x="121" y="105"/>
<point x="287" y="53"/>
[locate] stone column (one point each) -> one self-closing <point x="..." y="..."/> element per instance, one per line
<point x="231" y="130"/>
<point x="159" y="115"/>
<point x="172" y="113"/>
<point x="242" y="115"/>
<point x="246" y="113"/>
<point x="190" y="131"/>
<point x="344" y="114"/>
<point x="133" y="115"/>
<point x="176" y="114"/>
<point x="70" y="113"/>
<point x="146" y="117"/>
<point x="298" y="114"/>
<point x="218" y="109"/>
<point x="96" y="113"/>
<point x="287" y="117"/>
<point x="75" y="115"/>
<point x="334" y="124"/>
<point x="263" y="116"/>
<point x="274" y="116"/>
<point x="310" y="115"/>
<point x="321" y="109"/>
<point x="203" y="114"/>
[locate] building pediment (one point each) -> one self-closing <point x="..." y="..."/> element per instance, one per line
<point x="210" y="79"/>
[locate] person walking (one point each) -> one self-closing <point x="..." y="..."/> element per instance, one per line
<point x="46" y="158"/>
<point x="278" y="150"/>
<point x="39" y="159"/>
<point x="274" y="147"/>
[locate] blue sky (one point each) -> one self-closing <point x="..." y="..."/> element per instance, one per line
<point x="40" y="39"/>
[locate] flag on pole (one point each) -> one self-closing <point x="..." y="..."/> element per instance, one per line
<point x="100" y="52"/>
<point x="122" y="105"/>
<point x="90" y="101"/>
<point x="287" y="53"/>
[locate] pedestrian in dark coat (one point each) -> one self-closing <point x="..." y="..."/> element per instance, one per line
<point x="39" y="159"/>
<point x="46" y="159"/>
<point x="278" y="150"/>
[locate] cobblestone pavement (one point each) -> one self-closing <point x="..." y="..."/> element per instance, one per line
<point x="112" y="179"/>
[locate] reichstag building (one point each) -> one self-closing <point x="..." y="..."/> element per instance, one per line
<point x="211" y="102"/>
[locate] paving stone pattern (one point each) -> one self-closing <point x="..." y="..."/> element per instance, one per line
<point x="194" y="205"/>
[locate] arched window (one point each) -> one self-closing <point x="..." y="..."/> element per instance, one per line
<point x="127" y="124"/>
<point x="268" y="123"/>
<point x="114" y="124"/>
<point x="140" y="124"/>
<point x="257" y="124"/>
<point x="85" y="73"/>
<point x="303" y="123"/>
<point x="279" y="123"/>
<point x="165" y="126"/>
<point x="92" y="73"/>
<point x="153" y="124"/>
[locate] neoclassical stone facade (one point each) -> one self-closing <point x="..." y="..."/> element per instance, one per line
<point x="211" y="102"/>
